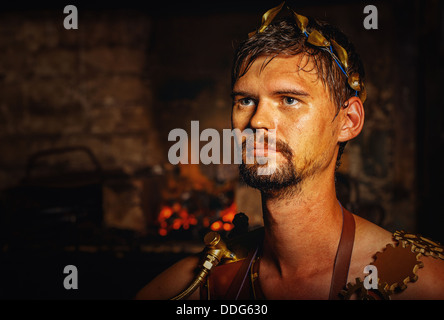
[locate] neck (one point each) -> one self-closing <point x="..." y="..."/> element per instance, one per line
<point x="302" y="231"/>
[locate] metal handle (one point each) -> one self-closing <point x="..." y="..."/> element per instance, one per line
<point x="216" y="250"/>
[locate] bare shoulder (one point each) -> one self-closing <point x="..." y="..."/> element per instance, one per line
<point x="371" y="238"/>
<point x="172" y="281"/>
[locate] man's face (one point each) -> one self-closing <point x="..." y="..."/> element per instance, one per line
<point x="287" y="95"/>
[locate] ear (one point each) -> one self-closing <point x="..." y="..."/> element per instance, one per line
<point x="352" y="119"/>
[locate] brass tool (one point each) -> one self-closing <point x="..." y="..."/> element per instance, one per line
<point x="216" y="250"/>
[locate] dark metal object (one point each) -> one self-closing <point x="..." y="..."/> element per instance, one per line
<point x="51" y="209"/>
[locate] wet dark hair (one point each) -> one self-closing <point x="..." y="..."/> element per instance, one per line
<point x="285" y="38"/>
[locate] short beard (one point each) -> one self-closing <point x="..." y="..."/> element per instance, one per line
<point x="283" y="182"/>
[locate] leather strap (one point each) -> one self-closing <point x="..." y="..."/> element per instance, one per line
<point x="343" y="255"/>
<point x="241" y="276"/>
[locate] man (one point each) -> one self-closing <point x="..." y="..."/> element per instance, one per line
<point x="303" y="79"/>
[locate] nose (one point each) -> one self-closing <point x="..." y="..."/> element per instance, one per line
<point x="263" y="117"/>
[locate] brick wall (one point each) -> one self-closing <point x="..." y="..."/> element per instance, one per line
<point x="124" y="79"/>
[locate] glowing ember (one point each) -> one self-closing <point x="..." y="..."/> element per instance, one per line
<point x="216" y="225"/>
<point x="227" y="216"/>
<point x="174" y="218"/>
<point x="177" y="217"/>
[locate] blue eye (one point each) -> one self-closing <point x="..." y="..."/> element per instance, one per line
<point x="245" y="102"/>
<point x="289" y="101"/>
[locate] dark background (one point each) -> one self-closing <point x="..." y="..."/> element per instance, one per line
<point x="85" y="115"/>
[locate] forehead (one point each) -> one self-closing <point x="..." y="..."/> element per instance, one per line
<point x="273" y="73"/>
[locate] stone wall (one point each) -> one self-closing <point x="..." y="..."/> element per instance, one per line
<point x="125" y="78"/>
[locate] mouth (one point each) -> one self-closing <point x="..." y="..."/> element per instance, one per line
<point x="261" y="150"/>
